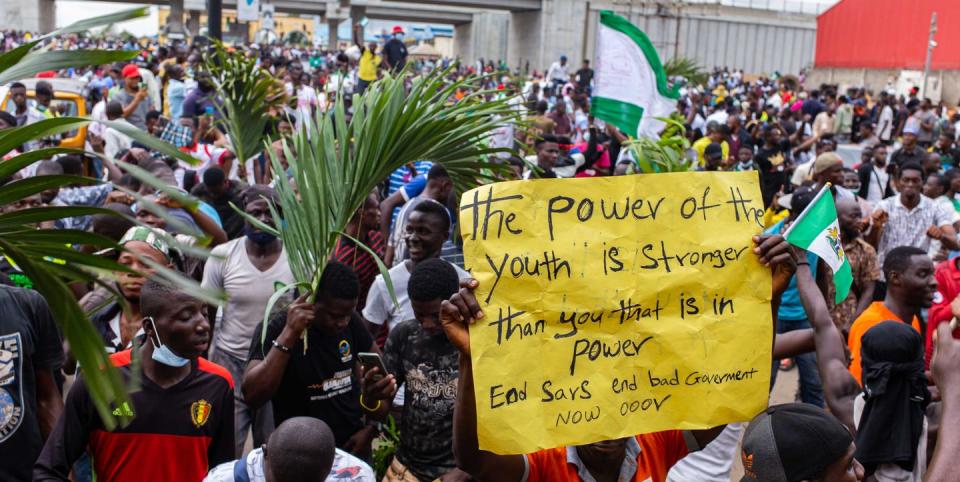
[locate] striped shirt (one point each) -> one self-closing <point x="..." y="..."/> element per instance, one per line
<point x="360" y="260"/>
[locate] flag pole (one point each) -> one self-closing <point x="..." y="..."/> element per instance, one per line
<point x="824" y="189"/>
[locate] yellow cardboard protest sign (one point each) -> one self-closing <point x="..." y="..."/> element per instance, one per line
<point x="616" y="306"/>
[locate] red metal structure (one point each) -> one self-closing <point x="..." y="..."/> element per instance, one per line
<point x="888" y="34"/>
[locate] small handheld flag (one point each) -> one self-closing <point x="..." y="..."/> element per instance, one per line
<point x="818" y="231"/>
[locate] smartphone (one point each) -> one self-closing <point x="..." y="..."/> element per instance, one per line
<point x="364" y="21"/>
<point x="369" y="361"/>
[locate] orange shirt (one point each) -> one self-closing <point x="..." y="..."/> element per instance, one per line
<point x="658" y="453"/>
<point x="875" y="314"/>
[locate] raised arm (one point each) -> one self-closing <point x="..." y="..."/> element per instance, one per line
<point x="839" y="387"/>
<point x="944" y="367"/>
<point x="263" y="375"/>
<point x="456" y="315"/>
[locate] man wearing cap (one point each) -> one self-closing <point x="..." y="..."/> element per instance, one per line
<point x="116" y="324"/>
<point x="910" y="151"/>
<point x="797" y="442"/>
<point x="134" y="97"/>
<point x="395" y="51"/>
<point x="369" y="60"/>
<point x="828" y="167"/>
<point x="713" y="158"/>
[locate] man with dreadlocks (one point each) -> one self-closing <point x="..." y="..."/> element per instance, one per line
<point x="246" y="269"/>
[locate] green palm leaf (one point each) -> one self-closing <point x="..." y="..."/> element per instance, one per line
<point x="340" y="161"/>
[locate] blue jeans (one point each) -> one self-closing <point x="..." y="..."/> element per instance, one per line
<point x="811" y="389"/>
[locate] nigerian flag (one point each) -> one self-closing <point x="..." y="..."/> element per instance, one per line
<point x="631" y="86"/>
<point x="817" y="230"/>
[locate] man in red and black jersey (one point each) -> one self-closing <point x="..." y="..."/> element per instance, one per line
<point x="182" y="415"/>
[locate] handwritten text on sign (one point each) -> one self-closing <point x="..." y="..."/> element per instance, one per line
<point x="616" y="306"/>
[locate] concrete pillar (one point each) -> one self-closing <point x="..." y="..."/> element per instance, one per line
<point x="32" y="15"/>
<point x="541" y="37"/>
<point x="174" y="27"/>
<point x="333" y="25"/>
<point x="485" y="37"/>
<point x="193" y="22"/>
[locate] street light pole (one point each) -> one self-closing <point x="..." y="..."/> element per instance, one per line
<point x="930" y="45"/>
<point x="215" y="19"/>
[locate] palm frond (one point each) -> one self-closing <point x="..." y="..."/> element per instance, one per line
<point x="687" y="68"/>
<point x="339" y="160"/>
<point x="249" y="93"/>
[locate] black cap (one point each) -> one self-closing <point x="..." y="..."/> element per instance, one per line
<point x="713" y="149"/>
<point x="792" y="442"/>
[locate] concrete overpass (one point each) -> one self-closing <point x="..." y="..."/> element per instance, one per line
<point x="533" y="33"/>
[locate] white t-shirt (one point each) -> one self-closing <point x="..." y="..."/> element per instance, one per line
<point x="877" y="184"/>
<point x="713" y="462"/>
<point x="306" y="101"/>
<point x="380" y="308"/>
<point x="346" y="468"/>
<point x="248" y="290"/>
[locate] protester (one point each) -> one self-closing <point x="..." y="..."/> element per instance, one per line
<point x="911" y="219"/>
<point x="220" y="192"/>
<point x="438" y="189"/>
<point x="424" y="233"/>
<point x="30" y="356"/>
<point x="319" y="381"/>
<point x="863" y="264"/>
<point x="395" y="51"/>
<point x="910" y="288"/>
<point x="246" y="269"/>
<point x="419" y="355"/>
<point x="181" y="413"/>
<point x="300" y="449"/>
<point x="364" y="227"/>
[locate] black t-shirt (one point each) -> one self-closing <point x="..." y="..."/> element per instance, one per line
<point x="321" y="383"/>
<point x="29" y="341"/>
<point x="584" y="76"/>
<point x="232" y="220"/>
<point x="396" y="53"/>
<point x="773" y="164"/>
<point x="429" y="367"/>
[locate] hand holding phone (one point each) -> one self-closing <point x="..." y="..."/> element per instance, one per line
<point x="377" y="385"/>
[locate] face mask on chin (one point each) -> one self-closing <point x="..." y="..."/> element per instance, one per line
<point x="258" y="237"/>
<point x="162" y="353"/>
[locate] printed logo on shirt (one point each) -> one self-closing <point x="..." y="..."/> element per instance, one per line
<point x="123" y="410"/>
<point x="11" y="385"/>
<point x="200" y="412"/>
<point x="345" y="355"/>
<point x="344" y="473"/>
<point x="341" y="382"/>
<point x="747" y="464"/>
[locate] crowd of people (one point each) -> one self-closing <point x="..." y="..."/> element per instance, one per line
<point x="224" y="396"/>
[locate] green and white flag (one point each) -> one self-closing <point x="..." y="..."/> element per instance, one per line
<point x="817" y="230"/>
<point x="631" y="88"/>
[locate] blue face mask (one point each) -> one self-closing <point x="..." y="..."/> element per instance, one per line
<point x="162" y="353"/>
<point x="258" y="237"/>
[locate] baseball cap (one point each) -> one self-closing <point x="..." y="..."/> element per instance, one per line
<point x="397" y="29"/>
<point x="911" y="129"/>
<point x="146" y="235"/>
<point x="792" y="442"/>
<point x="825" y="161"/>
<point x="130" y="71"/>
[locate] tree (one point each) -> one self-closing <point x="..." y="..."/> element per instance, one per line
<point x="46" y="256"/>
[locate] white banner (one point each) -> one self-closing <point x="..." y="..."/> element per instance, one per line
<point x="266" y="16"/>
<point x="248" y="10"/>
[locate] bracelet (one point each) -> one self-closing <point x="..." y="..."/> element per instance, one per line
<point x="279" y="346"/>
<point x="365" y="407"/>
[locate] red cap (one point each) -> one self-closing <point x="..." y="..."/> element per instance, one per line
<point x="397" y="29"/>
<point x="47" y="74"/>
<point x="130" y="71"/>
